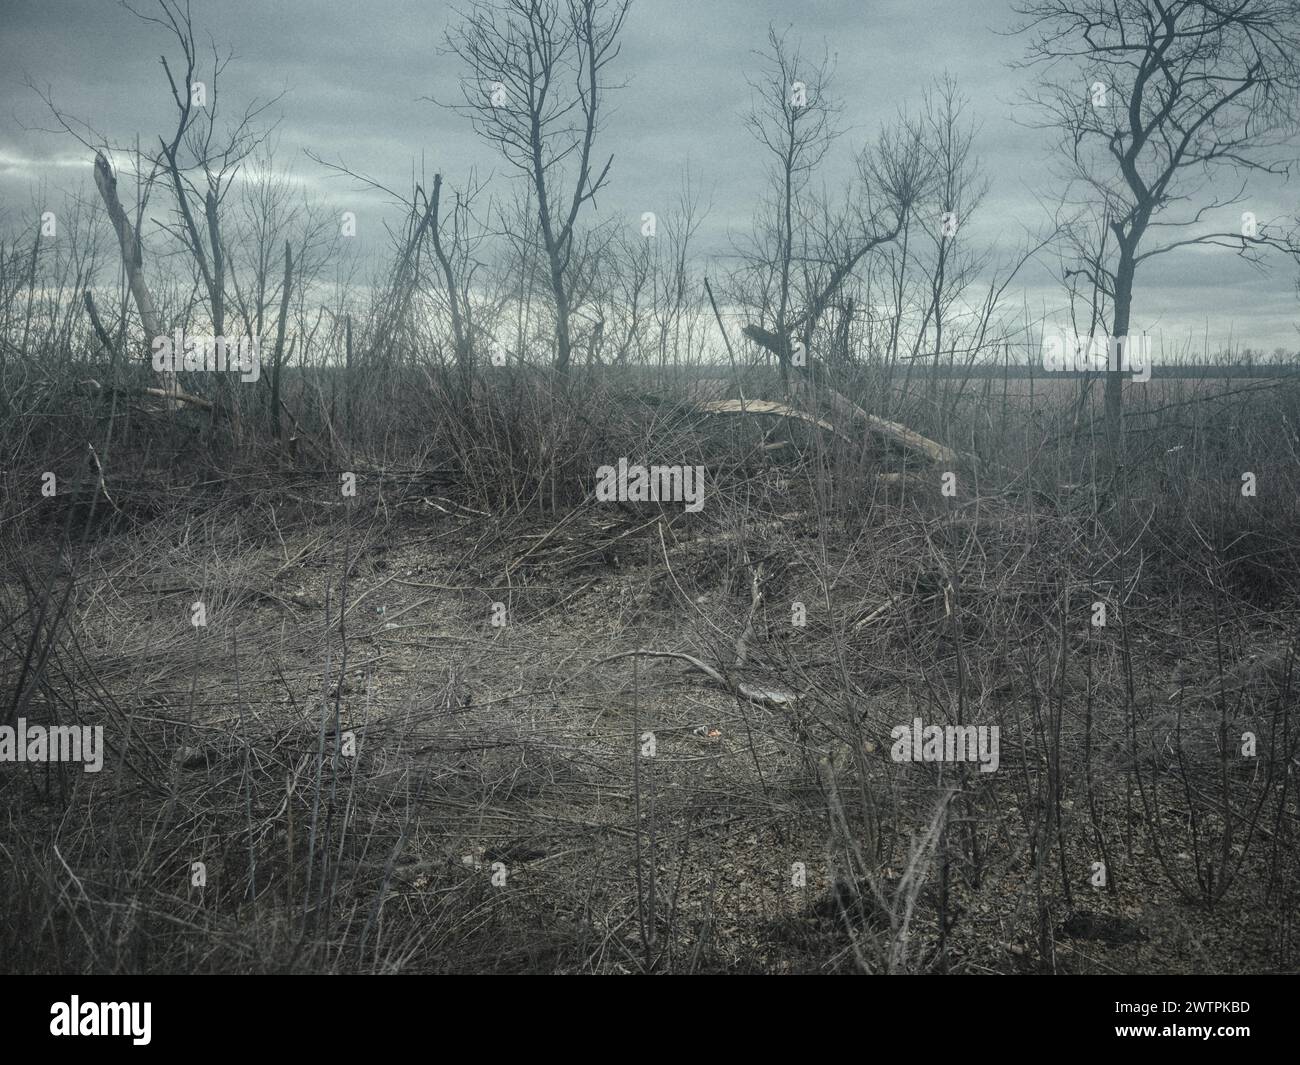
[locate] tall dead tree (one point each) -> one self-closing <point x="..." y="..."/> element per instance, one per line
<point x="535" y="86"/>
<point x="1164" y="108"/>
<point x="133" y="263"/>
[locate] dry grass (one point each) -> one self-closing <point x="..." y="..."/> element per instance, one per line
<point x="499" y="813"/>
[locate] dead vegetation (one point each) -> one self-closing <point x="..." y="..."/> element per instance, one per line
<point x="499" y="808"/>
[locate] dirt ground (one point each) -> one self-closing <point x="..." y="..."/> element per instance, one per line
<point x="456" y="740"/>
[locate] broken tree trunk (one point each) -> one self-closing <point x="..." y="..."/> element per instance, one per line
<point x="176" y="396"/>
<point x="765" y="406"/>
<point x="132" y="260"/>
<point x="899" y="434"/>
<point x="846" y="410"/>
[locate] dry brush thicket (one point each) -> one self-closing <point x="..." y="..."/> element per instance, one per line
<point x="468" y="717"/>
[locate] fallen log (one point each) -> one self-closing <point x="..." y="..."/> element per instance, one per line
<point x="173" y="397"/>
<point x="893" y="431"/>
<point x="765" y="406"/>
<point x="846" y="410"/>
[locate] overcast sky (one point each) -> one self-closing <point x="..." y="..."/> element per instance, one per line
<point x="356" y="73"/>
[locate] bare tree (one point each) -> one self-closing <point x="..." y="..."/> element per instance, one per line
<point x="793" y="116"/>
<point x="454" y="252"/>
<point x="891" y="176"/>
<point x="646" y="293"/>
<point x="630" y="295"/>
<point x="279" y="243"/>
<point x="535" y="86"/>
<point x="271" y="209"/>
<point x="1084" y="253"/>
<point x="196" y="148"/>
<point x="1157" y="102"/>
<point x="805" y="249"/>
<point x="958" y="188"/>
<point x="199" y="160"/>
